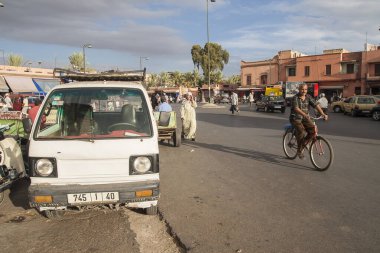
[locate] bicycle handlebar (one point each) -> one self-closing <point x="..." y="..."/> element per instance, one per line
<point x="316" y="118"/>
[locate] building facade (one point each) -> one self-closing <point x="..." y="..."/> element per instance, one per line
<point x="336" y="71"/>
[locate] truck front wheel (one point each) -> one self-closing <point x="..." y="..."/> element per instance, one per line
<point x="54" y="214"/>
<point x="152" y="210"/>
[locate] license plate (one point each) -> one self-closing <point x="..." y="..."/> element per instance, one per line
<point x="92" y="197"/>
<point x="277" y="106"/>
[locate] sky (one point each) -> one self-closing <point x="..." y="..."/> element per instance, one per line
<point x="46" y="32"/>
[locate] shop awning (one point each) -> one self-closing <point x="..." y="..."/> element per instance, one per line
<point x="3" y="85"/>
<point x="44" y="85"/>
<point x="21" y="84"/>
<point x="336" y="87"/>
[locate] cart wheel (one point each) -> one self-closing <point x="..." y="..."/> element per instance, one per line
<point x="176" y="138"/>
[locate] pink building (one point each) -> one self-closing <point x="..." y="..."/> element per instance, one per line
<point x="337" y="71"/>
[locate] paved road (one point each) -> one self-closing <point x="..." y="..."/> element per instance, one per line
<point x="233" y="189"/>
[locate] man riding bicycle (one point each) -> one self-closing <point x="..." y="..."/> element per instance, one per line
<point x="300" y="118"/>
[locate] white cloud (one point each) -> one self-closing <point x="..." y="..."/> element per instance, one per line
<point x="305" y="25"/>
<point x="109" y="24"/>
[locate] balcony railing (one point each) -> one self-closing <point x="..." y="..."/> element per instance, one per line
<point x="375" y="77"/>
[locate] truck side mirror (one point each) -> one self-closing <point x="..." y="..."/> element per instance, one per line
<point x="27" y="124"/>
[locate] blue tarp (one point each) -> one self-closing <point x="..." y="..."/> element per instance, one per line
<point x="44" y="85"/>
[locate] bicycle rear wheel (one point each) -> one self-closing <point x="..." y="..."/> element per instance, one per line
<point x="321" y="153"/>
<point x="289" y="144"/>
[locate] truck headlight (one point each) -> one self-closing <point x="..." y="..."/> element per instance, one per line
<point x="142" y="164"/>
<point x="44" y="167"/>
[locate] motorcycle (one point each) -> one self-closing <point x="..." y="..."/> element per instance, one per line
<point x="11" y="161"/>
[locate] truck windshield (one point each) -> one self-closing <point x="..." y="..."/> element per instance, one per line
<point x="94" y="113"/>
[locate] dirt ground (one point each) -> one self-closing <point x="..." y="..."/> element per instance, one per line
<point x="23" y="229"/>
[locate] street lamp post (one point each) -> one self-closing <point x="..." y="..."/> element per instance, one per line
<point x="84" y="56"/>
<point x="208" y="53"/>
<point x="143" y="58"/>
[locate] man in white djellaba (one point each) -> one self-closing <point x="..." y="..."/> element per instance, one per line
<point x="188" y="117"/>
<point x="323" y="103"/>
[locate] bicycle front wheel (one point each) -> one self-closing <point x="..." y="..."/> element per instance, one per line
<point x="289" y="144"/>
<point x="321" y="153"/>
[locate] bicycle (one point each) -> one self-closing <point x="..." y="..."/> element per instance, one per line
<point x="320" y="150"/>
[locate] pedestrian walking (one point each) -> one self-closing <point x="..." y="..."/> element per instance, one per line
<point x="251" y="99"/>
<point x="188" y="117"/>
<point x="323" y="103"/>
<point x="234" y="103"/>
<point x="244" y="98"/>
<point x="8" y="103"/>
<point x="25" y="106"/>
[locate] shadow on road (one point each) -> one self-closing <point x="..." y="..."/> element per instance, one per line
<point x="338" y="125"/>
<point x="19" y="193"/>
<point x="241" y="121"/>
<point x="252" y="154"/>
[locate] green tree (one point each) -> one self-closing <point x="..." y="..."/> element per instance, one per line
<point x="234" y="79"/>
<point x="153" y="80"/>
<point x="216" y="77"/>
<point x="15" y="60"/>
<point x="196" y="55"/>
<point x="218" y="58"/>
<point x="177" y="78"/>
<point x="188" y="79"/>
<point x="76" y="61"/>
<point x="165" y="79"/>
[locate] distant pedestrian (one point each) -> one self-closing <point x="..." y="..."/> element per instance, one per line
<point x="164" y="105"/>
<point x="33" y="111"/>
<point x="25" y="106"/>
<point x="323" y="103"/>
<point x="188" y="117"/>
<point x="153" y="100"/>
<point x="251" y="99"/>
<point x="8" y="103"/>
<point x="234" y="103"/>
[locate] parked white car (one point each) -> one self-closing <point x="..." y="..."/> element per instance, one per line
<point x="94" y="143"/>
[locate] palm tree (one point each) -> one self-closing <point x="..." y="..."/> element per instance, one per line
<point x="165" y="79"/>
<point x="188" y="79"/>
<point x="177" y="78"/>
<point x="76" y="61"/>
<point x="153" y="80"/>
<point x="15" y="60"/>
<point x="218" y="58"/>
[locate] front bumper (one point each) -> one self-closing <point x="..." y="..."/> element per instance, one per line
<point x="276" y="107"/>
<point x="127" y="193"/>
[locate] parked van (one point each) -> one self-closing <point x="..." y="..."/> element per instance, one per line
<point x="94" y="143"/>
